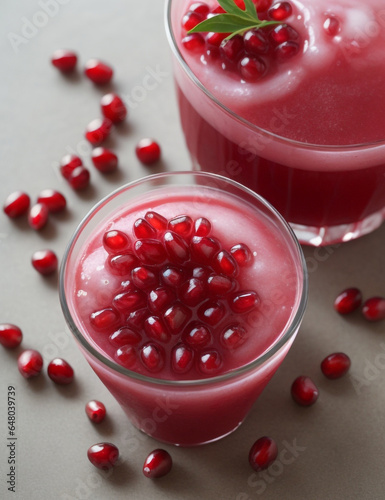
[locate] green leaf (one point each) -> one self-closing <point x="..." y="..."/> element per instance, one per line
<point x="230" y="7"/>
<point x="251" y="9"/>
<point x="222" y="23"/>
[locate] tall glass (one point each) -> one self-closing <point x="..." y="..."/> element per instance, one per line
<point x="329" y="194"/>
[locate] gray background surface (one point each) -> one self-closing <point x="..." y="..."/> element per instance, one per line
<point x="340" y="441"/>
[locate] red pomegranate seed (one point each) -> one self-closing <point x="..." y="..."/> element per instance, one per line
<point x="103" y="455"/>
<point x="10" y="335"/>
<point x="104" y="160"/>
<point x="115" y="241"/>
<point x="191" y="19"/>
<point x="335" y="365"/>
<point x="197" y="335"/>
<point x="113" y="108"/>
<point x="241" y="254"/>
<point x="252" y="69"/>
<point x="125" y="336"/>
<point x="233" y="336"/>
<point x="256" y="42"/>
<point x="200" y="8"/>
<point x="304" y="391"/>
<point x="45" y="261"/>
<point x="126" y="356"/>
<point x="215" y="39"/>
<point x="121" y="265"/>
<point x="332" y="25"/>
<point x="211" y="312"/>
<point x="202" y="227"/>
<point x="16" y="204"/>
<point x="79" y="178"/>
<point x="172" y="276"/>
<point x="263" y="453"/>
<point x="224" y="263"/>
<point x="286" y="50"/>
<point x="156" y="220"/>
<point x="280" y="11"/>
<point x="374" y="309"/>
<point x="54" y="201"/>
<point x="244" y="301"/>
<point x="219" y="285"/>
<point x="150" y="251"/>
<point x="148" y="151"/>
<point x="68" y="165"/>
<point x="104" y="319"/>
<point x="159" y="299"/>
<point x="176" y="247"/>
<point x="157" y="464"/>
<point x="98" y="72"/>
<point x="155" y="329"/>
<point x="38" y="216"/>
<point x="143" y="277"/>
<point x="60" y="371"/>
<point x="182" y="358"/>
<point x="152" y="356"/>
<point x="263" y="5"/>
<point x="348" y="301"/>
<point x="136" y="318"/>
<point x="129" y="301"/>
<point x="193" y="292"/>
<point x="218" y="10"/>
<point x="194" y="42"/>
<point x="182" y="225"/>
<point x="30" y="363"/>
<point x="143" y="229"/>
<point x="64" y="60"/>
<point x="98" y="130"/>
<point x="231" y="49"/>
<point x="282" y="33"/>
<point x="176" y="317"/>
<point x="96" y="411"/>
<point x="210" y="362"/>
<point x="202" y="273"/>
<point x="203" y="248"/>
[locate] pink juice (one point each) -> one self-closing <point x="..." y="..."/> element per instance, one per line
<point x="309" y="134"/>
<point x="187" y="359"/>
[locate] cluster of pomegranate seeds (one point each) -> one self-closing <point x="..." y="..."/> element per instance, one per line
<point x="75" y="173"/>
<point x="103" y="455"/>
<point x="64" y="60"/>
<point x="263" y="453"/>
<point x="304" y="391"/>
<point x="148" y="151"/>
<point x="96" y="411"/>
<point x="60" y="371"/>
<point x="98" y="71"/>
<point x="157" y="464"/>
<point x="45" y="261"/>
<point x="10" y="335"/>
<point x="373" y="309"/>
<point x="30" y="363"/>
<point x="252" y="55"/>
<point x="335" y="365"/>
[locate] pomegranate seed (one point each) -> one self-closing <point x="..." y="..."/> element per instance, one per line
<point x="210" y="362"/>
<point x="176" y="247"/>
<point x="252" y="68"/>
<point x="115" y="241"/>
<point x="202" y="227"/>
<point x="126" y="356"/>
<point x="286" y="50"/>
<point x="121" y="265"/>
<point x="157" y="464"/>
<point x="280" y="11"/>
<point x="194" y="42"/>
<point x="30" y="363"/>
<point x="211" y="312"/>
<point x="262" y="5"/>
<point x="155" y="329"/>
<point x="231" y="49"/>
<point x="129" y="301"/>
<point x="374" y="309"/>
<point x="241" y="254"/>
<point x="225" y="264"/>
<point x="219" y="285"/>
<point x="136" y="318"/>
<point x="103" y="455"/>
<point x="96" y="411"/>
<point x="98" y="130"/>
<point x="263" y="453"/>
<point x="104" y="160"/>
<point x="182" y="358"/>
<point x="38" y="216"/>
<point x="200" y="8"/>
<point x="172" y="276"/>
<point x="10" y="335"/>
<point x="256" y="42"/>
<point x="348" y="301"/>
<point x="282" y="33"/>
<point x="143" y="229"/>
<point x="16" y="204"/>
<point x="152" y="356"/>
<point x="98" y="72"/>
<point x="218" y="10"/>
<point x="143" y="277"/>
<point x="150" y="251"/>
<point x="233" y="336"/>
<point x="197" y="335"/>
<point x="148" y="151"/>
<point x="79" y="178"/>
<point x="159" y="299"/>
<point x="176" y="317"/>
<point x="104" y="319"/>
<point x="64" y="60"/>
<point x="68" y="165"/>
<point x="215" y="39"/>
<point x="304" y="391"/>
<point x="181" y="225"/>
<point x="203" y="248"/>
<point x="335" y="365"/>
<point x="113" y="108"/>
<point x="156" y="220"/>
<point x="60" y="371"/>
<point x="242" y="302"/>
<point x="201" y="273"/>
<point x="332" y="25"/>
<point x="125" y="336"/>
<point x="192" y="292"/>
<point x="45" y="261"/>
<point x="54" y="201"/>
<point x="191" y="19"/>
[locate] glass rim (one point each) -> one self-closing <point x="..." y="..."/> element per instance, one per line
<point x="305" y="145"/>
<point x="291" y="328"/>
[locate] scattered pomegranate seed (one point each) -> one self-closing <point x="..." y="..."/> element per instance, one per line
<point x="280" y="11"/>
<point x="263" y="453"/>
<point x="233" y="336"/>
<point x="125" y="336"/>
<point x="38" y="216"/>
<point x="148" y="151"/>
<point x="60" y="371"/>
<point x="332" y="25"/>
<point x="152" y="356"/>
<point x="156" y="220"/>
<point x="79" y="178"/>
<point x="30" y="363"/>
<point x="304" y="391"/>
<point x="182" y="358"/>
<point x="202" y="227"/>
<point x="157" y="464"/>
<point x="191" y="19"/>
<point x="348" y="301"/>
<point x="99" y="72"/>
<point x="105" y="318"/>
<point x="252" y="68"/>
<point x="126" y="356"/>
<point x="335" y="365"/>
<point x="68" y="165"/>
<point x="143" y="229"/>
<point x="45" y="261"/>
<point x="64" y="60"/>
<point x="10" y="335"/>
<point x="115" y="241"/>
<point x="103" y="455"/>
<point x="98" y="130"/>
<point x="53" y="200"/>
<point x="104" y="160"/>
<point x="241" y="254"/>
<point x="256" y="42"/>
<point x="113" y="108"/>
<point x="96" y="411"/>
<point x="17" y="204"/>
<point x="374" y="309"/>
<point x="210" y="362"/>
<point x="244" y="301"/>
<point x="193" y="42"/>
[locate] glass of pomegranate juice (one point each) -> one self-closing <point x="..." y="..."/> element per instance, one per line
<point x="184" y="292"/>
<point x="292" y="105"/>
